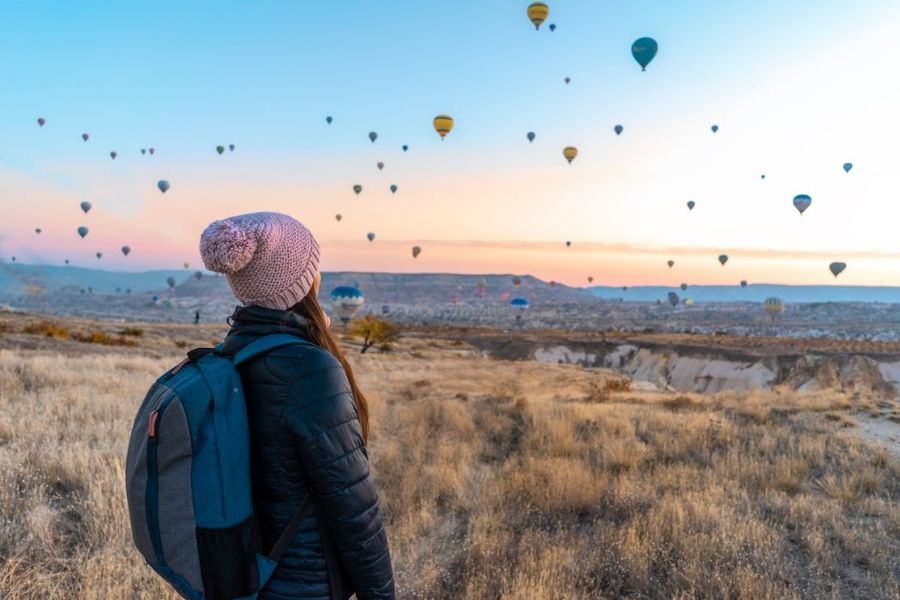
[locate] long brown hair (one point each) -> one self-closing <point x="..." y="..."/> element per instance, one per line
<point x="319" y="334"/>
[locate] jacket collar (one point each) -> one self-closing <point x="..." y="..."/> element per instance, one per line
<point x="251" y="322"/>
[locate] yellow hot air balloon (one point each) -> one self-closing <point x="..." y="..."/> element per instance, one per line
<point x="537" y="12"/>
<point x="570" y="152"/>
<point x="443" y="124"/>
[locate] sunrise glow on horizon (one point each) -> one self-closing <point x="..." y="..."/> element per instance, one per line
<point x="794" y="105"/>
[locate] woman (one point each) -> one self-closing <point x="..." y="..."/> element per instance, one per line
<point x="308" y="419"/>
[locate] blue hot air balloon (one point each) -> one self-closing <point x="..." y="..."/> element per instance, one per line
<point x="520" y="305"/>
<point x="618" y="129"/>
<point x="82" y="231"/>
<point x="163" y="185"/>
<point x="715" y="128"/>
<point x="530" y="136"/>
<point x="405" y="147"/>
<point x="393" y="188"/>
<point x="847" y="167"/>
<point x="346" y="301"/>
<point x="373" y="136"/>
<point x="644" y="50"/>
<point x="691" y="204"/>
<point x="552" y="26"/>
<point x="802" y="202"/>
<point x="328" y="119"/>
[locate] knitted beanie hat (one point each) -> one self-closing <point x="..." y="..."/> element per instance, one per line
<point x="268" y="258"/>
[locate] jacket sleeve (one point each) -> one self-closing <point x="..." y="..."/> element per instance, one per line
<point x="330" y="442"/>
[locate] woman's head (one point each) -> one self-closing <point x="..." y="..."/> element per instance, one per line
<point x="268" y="258"/>
<point x="272" y="260"/>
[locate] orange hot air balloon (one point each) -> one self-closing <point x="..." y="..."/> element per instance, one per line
<point x="443" y="124"/>
<point x="538" y="13"/>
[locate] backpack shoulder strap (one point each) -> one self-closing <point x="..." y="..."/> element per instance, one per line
<point x="266" y="344"/>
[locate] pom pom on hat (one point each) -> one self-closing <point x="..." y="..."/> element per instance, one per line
<point x="226" y="247"/>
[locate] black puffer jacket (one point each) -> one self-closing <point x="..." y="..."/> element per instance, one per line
<point x="305" y="435"/>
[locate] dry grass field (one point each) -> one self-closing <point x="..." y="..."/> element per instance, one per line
<point x="499" y="479"/>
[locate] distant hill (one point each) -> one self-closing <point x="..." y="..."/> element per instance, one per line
<point x="755" y="293"/>
<point x="18" y="280"/>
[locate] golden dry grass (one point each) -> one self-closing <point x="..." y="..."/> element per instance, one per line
<point x="498" y="479"/>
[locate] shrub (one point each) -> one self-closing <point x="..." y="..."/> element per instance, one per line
<point x="180" y="343"/>
<point x="132" y="332"/>
<point x="374" y="330"/>
<point x="102" y="338"/>
<point x="48" y="329"/>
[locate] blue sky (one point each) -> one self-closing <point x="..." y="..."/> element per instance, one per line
<point x="797" y="87"/>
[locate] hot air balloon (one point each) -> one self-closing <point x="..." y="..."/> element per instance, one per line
<point x="370" y="236"/>
<point x="644" y="50"/>
<point x="802" y="202"/>
<point x="163" y="185"/>
<point x="570" y="152"/>
<point x="41" y="121"/>
<point x="691" y="204"/>
<point x="552" y="283"/>
<point x="86" y="206"/>
<point x="85" y="136"/>
<point x="338" y="217"/>
<point x="537" y="13"/>
<point x="519" y="305"/>
<point x="416" y="251"/>
<point x="568" y="244"/>
<point x="220" y="150"/>
<point x="393" y="188"/>
<point x="67" y="261"/>
<point x="357" y="188"/>
<point x="152" y="151"/>
<point x="618" y="129"/>
<point x="530" y="136"/>
<point x="186" y="265"/>
<point x="671" y="263"/>
<point x="373" y="136"/>
<point x="774" y="307"/>
<point x="385" y="309"/>
<point x="847" y="167"/>
<point x="567" y="80"/>
<point x="13" y="258"/>
<point x="590" y="279"/>
<point x="143" y="151"/>
<point x="99" y="255"/>
<point x="715" y="128"/>
<point x="624" y="288"/>
<point x="763" y="176"/>
<point x="837" y="268"/>
<point x="328" y="119"/>
<point x="155" y="299"/>
<point x="443" y="124"/>
<point x="198" y="275"/>
<point x="405" y="147"/>
<point x="552" y="26"/>
<point x="346" y="301"/>
<point x="743" y="283"/>
<point x="723" y="258"/>
<point x="171" y="281"/>
<point x="380" y="165"/>
<point x="126" y="250"/>
<point x="82" y="231"/>
<point x="684" y="287"/>
<point x="688" y="301"/>
<point x="516" y="281"/>
<point x="231" y="147"/>
<point x="113" y="155"/>
<point x="673" y="299"/>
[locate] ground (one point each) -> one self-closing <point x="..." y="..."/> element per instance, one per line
<point x="509" y="479"/>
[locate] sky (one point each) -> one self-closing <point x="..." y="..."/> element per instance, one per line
<point x="797" y="89"/>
